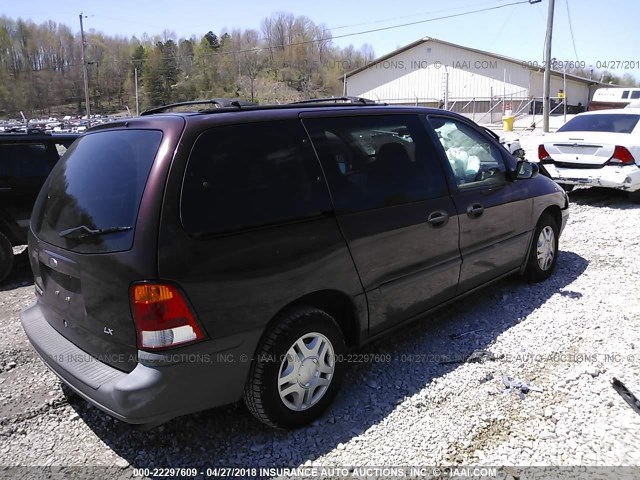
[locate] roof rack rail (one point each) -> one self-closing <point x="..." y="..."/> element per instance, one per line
<point x="216" y="102"/>
<point x="343" y="99"/>
<point x="34" y="130"/>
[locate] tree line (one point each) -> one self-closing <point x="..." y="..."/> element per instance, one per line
<point x="289" y="58"/>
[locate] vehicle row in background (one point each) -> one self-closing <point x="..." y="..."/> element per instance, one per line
<point x="67" y="124"/>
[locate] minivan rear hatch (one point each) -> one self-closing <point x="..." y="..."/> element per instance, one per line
<point x="83" y="228"/>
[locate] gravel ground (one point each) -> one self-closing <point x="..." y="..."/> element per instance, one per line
<point x="568" y="336"/>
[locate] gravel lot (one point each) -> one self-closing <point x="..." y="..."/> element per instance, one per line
<point x="568" y="336"/>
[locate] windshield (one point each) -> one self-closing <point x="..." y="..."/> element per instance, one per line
<point x="609" y="122"/>
<point x="96" y="189"/>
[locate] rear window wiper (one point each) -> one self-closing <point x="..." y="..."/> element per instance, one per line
<point x="82" y="231"/>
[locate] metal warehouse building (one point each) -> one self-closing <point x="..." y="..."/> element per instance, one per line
<point x="480" y="84"/>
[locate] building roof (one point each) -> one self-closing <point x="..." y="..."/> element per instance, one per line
<point x="521" y="63"/>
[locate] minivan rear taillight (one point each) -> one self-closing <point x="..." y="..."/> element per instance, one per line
<point x="621" y="156"/>
<point x="162" y="316"/>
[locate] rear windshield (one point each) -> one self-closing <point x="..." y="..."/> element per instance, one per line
<point x="90" y="202"/>
<point x="608" y="122"/>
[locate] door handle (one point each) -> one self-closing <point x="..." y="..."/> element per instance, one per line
<point x="439" y="218"/>
<point x="475" y="210"/>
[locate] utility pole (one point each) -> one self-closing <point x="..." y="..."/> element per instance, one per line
<point x="135" y="72"/>
<point x="84" y="71"/>
<point x="547" y="70"/>
<point x="564" y="91"/>
<point x="446" y="88"/>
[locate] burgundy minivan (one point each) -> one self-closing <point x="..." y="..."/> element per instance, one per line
<point x="188" y="260"/>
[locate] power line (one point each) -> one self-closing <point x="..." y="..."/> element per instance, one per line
<point x="364" y="32"/>
<point x="573" y="40"/>
<point x="500" y="30"/>
<point x="421" y="21"/>
<point x="333" y="37"/>
<point x="414" y="15"/>
<point x="340" y="27"/>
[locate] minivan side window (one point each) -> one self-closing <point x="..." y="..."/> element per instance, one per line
<point x="474" y="160"/>
<point x="376" y="161"/>
<point x="241" y="176"/>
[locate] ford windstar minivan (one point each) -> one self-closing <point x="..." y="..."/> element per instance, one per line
<point x="186" y="260"/>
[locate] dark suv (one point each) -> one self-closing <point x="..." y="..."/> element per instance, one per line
<point x="25" y="161"/>
<point x="187" y="260"/>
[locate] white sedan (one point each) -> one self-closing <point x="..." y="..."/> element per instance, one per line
<point x="600" y="149"/>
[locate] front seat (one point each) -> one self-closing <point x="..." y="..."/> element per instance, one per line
<point x="391" y="176"/>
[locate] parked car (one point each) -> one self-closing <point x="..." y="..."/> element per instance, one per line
<point x="184" y="261"/>
<point x="513" y="145"/>
<point x="599" y="148"/>
<point x="25" y="161"/>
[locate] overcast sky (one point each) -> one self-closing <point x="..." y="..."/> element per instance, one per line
<point x="603" y="31"/>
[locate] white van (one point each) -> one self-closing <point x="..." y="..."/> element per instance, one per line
<point x="614" y="97"/>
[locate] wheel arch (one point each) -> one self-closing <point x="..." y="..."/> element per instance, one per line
<point x="555" y="212"/>
<point x="339" y="306"/>
<point x="333" y="302"/>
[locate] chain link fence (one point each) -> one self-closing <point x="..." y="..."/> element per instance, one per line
<point x="489" y="110"/>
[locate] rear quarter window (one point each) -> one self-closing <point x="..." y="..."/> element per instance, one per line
<point x="242" y="176"/>
<point x="608" y="122"/>
<point x="98" y="184"/>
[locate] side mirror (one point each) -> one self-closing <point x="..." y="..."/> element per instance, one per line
<point x="526" y="170"/>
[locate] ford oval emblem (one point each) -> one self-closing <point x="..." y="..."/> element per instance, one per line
<point x="53" y="262"/>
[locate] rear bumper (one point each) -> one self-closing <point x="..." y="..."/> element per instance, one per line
<point x="159" y="388"/>
<point x="623" y="178"/>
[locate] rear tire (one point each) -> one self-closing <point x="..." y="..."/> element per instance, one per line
<point x="543" y="255"/>
<point x="297" y="369"/>
<point x="567" y="188"/>
<point x="6" y="257"/>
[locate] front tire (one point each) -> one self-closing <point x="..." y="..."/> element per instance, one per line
<point x="297" y="369"/>
<point x="6" y="257"/>
<point x="543" y="255"/>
